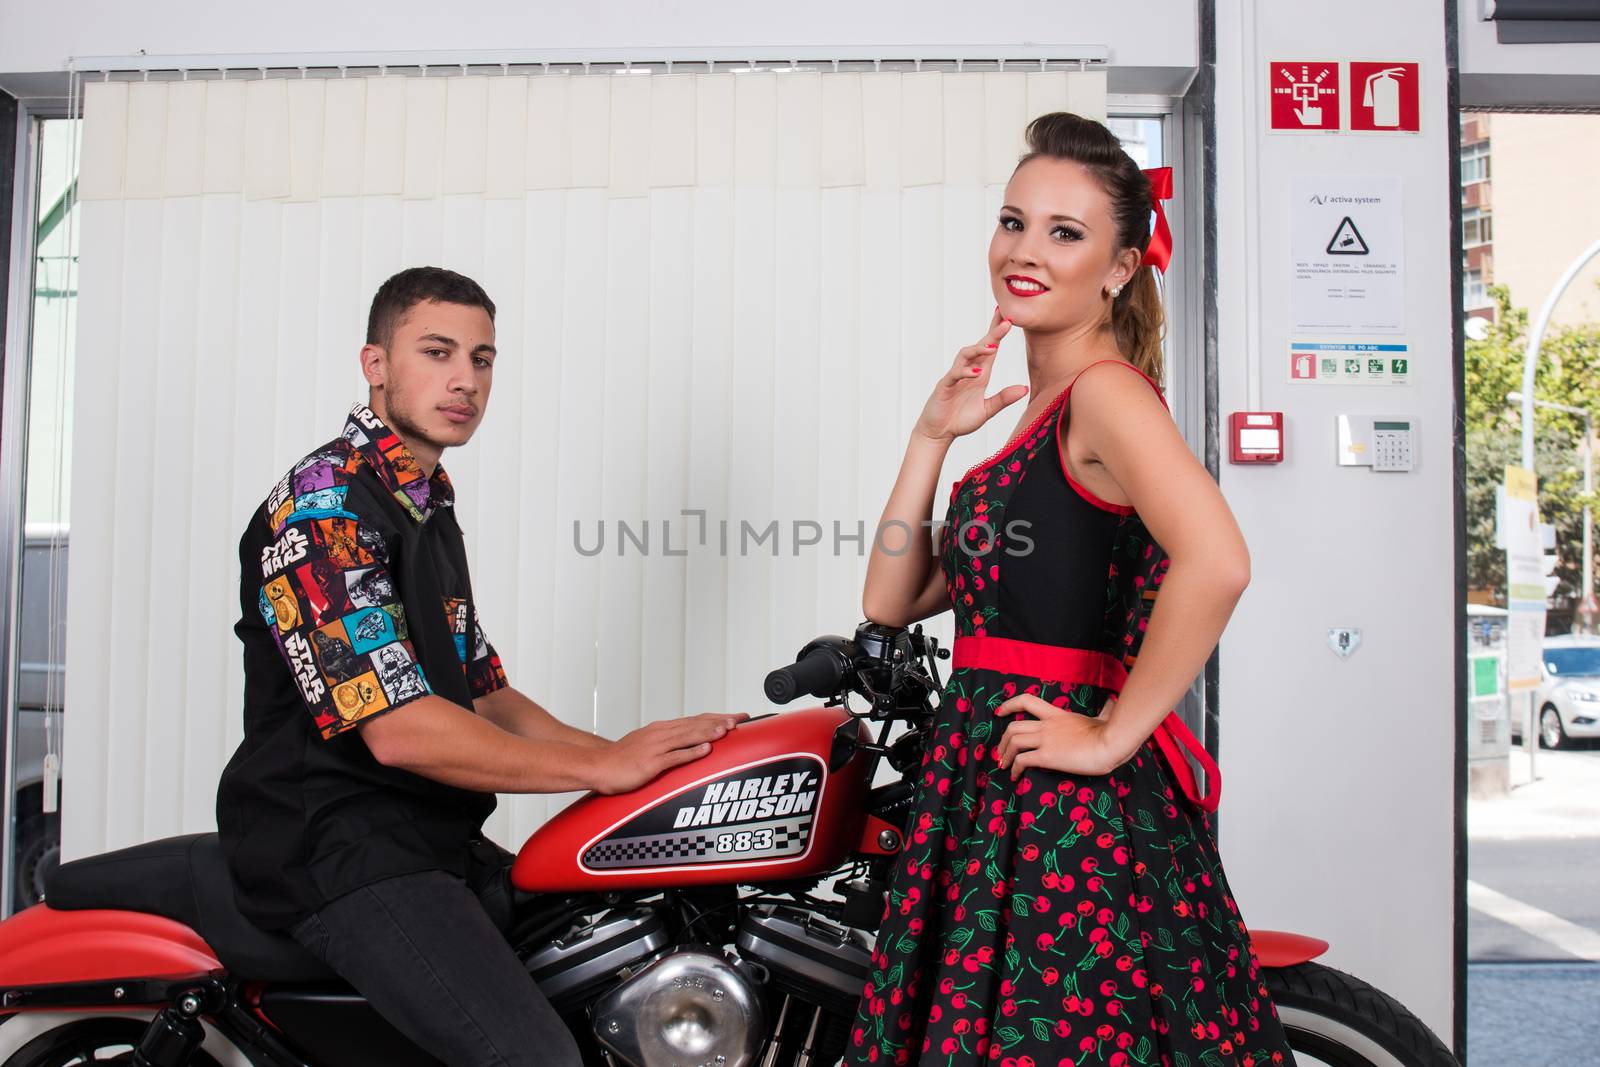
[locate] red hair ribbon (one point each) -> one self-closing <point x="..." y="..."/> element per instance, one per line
<point x="1159" y="253"/>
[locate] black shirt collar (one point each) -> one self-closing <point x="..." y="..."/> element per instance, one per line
<point x="396" y="467"/>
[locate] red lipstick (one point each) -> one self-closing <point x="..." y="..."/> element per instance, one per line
<point x="1026" y="286"/>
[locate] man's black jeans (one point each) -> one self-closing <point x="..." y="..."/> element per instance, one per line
<point x="431" y="957"/>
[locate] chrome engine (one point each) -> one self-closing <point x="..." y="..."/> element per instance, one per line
<point x="692" y="1007"/>
<point x="787" y="995"/>
<point x="575" y="967"/>
<point x="817" y="970"/>
<point x="807" y="956"/>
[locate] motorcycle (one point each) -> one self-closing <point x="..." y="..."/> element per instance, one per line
<point x="719" y="916"/>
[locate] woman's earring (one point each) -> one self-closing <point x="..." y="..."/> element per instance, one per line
<point x="1116" y="291"/>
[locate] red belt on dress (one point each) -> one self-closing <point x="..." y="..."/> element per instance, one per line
<point x="1076" y="666"/>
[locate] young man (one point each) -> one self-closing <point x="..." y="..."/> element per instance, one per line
<point x="378" y="720"/>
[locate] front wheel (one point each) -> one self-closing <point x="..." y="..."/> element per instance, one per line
<point x="1552" y="734"/>
<point x="1334" y="1019"/>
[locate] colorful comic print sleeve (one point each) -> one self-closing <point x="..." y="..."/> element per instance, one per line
<point x="478" y="658"/>
<point x="331" y="602"/>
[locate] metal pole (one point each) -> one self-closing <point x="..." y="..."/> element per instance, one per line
<point x="1530" y="736"/>
<point x="1530" y="358"/>
<point x="1530" y="363"/>
<point x="1587" y="589"/>
<point x="1588" y="522"/>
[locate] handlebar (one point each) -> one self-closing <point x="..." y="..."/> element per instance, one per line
<point x="891" y="666"/>
<point x="817" y="673"/>
<point x="820" y="670"/>
<point x="894" y="668"/>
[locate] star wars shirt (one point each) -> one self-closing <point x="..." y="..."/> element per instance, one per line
<point x="356" y="600"/>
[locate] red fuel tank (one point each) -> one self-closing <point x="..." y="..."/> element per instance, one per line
<point x="763" y="806"/>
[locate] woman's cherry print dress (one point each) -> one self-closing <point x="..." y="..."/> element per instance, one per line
<point x="1058" y="921"/>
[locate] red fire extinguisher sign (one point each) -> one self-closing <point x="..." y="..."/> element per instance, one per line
<point x="1384" y="97"/>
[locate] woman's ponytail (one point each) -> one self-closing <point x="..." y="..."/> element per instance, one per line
<point x="1138" y="322"/>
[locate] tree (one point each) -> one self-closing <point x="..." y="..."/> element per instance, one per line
<point x="1568" y="373"/>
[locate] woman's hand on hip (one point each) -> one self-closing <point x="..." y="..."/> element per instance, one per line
<point x="1054" y="739"/>
<point x="957" y="405"/>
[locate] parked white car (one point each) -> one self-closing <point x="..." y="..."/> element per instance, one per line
<point x="1569" y="697"/>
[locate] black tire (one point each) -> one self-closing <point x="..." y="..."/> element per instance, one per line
<point x="1562" y="739"/>
<point x="89" y="1041"/>
<point x="1337" y="1019"/>
<point x="38" y="853"/>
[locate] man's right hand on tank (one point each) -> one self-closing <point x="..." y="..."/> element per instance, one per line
<point x="639" y="757"/>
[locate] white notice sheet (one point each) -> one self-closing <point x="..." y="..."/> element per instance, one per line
<point x="1347" y="240"/>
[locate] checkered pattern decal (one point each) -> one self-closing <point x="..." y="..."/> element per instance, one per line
<point x="739" y="843"/>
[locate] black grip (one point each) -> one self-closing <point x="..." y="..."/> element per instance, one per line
<point x="817" y="673"/>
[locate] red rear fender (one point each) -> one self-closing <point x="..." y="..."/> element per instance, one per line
<point x="1279" y="948"/>
<point x="41" y="946"/>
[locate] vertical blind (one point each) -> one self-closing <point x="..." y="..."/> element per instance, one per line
<point x="723" y="299"/>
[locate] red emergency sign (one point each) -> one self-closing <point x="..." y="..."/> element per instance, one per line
<point x="1384" y="97"/>
<point x="1255" y="437"/>
<point x="1305" y="95"/>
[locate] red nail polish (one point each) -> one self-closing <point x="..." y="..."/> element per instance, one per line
<point x="977" y="370"/>
<point x="991" y="347"/>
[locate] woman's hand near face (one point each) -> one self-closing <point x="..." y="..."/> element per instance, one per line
<point x="957" y="405"/>
<point x="906" y="584"/>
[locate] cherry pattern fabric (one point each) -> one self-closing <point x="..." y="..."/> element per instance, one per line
<point x="1059" y="920"/>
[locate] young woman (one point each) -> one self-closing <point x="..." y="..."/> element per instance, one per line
<point x="1061" y="900"/>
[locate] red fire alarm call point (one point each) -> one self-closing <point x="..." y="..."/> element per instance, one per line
<point x="1255" y="437"/>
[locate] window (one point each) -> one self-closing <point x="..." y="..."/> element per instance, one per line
<point x="1577" y="660"/>
<point x="36" y="685"/>
<point x="1476" y="226"/>
<point x="1140" y="137"/>
<point x="1475" y="163"/>
<point x="1143" y="137"/>
<point x="1474" y="293"/>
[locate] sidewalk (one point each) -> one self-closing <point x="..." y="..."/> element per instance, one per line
<point x="1563" y="803"/>
<point x="1533" y="990"/>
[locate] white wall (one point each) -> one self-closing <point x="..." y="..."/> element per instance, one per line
<point x="1337" y="815"/>
<point x="1154" y="35"/>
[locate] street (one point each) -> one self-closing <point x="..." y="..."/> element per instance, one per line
<point x="1533" y="931"/>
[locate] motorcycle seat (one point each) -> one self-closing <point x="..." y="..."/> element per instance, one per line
<point x="185" y="879"/>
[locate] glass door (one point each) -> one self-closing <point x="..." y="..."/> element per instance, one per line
<point x="37" y="505"/>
